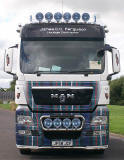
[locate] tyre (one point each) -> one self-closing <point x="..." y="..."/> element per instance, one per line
<point x="25" y="151"/>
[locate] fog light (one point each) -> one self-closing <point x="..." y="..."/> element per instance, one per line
<point x="96" y="133"/>
<point x="85" y="17"/>
<point x="48" y="123"/>
<point x="39" y="16"/>
<point x="76" y="122"/>
<point x="66" y="122"/>
<point x="67" y="16"/>
<point x="57" y="123"/>
<point x="49" y="16"/>
<point x="25" y="132"/>
<point x="76" y="16"/>
<point x="58" y="16"/>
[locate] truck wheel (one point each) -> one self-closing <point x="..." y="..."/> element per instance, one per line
<point x="25" y="151"/>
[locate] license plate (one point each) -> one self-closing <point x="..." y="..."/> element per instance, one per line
<point x="62" y="143"/>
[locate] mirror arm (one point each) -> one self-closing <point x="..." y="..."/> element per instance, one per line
<point x="109" y="48"/>
<point x="15" y="77"/>
<point x="16" y="46"/>
<point x="109" y="77"/>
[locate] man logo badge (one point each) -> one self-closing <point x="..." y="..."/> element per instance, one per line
<point x="62" y="97"/>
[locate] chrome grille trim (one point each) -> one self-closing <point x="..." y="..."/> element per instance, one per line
<point x="60" y="87"/>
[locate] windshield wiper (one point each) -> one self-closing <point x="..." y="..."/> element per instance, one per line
<point x="85" y="72"/>
<point x="49" y="72"/>
<point x="66" y="72"/>
<point x="40" y="72"/>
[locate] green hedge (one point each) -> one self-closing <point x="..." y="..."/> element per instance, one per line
<point x="117" y="91"/>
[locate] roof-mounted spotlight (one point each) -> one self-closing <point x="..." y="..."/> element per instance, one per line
<point x="67" y="16"/>
<point x="85" y="17"/>
<point x="49" y="16"/>
<point x="76" y="16"/>
<point x="39" y="16"/>
<point x="58" y="16"/>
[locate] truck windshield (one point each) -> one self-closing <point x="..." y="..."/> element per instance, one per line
<point x="61" y="57"/>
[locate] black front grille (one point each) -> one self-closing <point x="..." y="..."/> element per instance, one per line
<point x="62" y="135"/>
<point x="62" y="96"/>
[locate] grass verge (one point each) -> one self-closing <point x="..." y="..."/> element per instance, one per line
<point x="12" y="106"/>
<point x="5" y="106"/>
<point x="116" y="119"/>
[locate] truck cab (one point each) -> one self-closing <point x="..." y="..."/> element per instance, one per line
<point x="62" y="87"/>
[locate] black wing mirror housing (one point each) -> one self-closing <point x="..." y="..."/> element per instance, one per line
<point x="101" y="52"/>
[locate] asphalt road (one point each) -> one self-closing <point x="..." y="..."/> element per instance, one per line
<point x="8" y="149"/>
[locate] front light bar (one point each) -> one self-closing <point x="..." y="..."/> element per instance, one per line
<point x="62" y="127"/>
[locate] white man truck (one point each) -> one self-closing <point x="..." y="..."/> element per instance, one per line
<point x="62" y="87"/>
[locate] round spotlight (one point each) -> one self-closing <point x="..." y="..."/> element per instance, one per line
<point x="85" y="17"/>
<point x="58" y="16"/>
<point x="57" y="123"/>
<point x="39" y="16"/>
<point x="48" y="16"/>
<point x="48" y="123"/>
<point x="76" y="122"/>
<point x="76" y="16"/>
<point x="66" y="122"/>
<point x="67" y="16"/>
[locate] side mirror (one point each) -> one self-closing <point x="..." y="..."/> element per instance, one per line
<point x="115" y="60"/>
<point x="8" y="60"/>
<point x="101" y="52"/>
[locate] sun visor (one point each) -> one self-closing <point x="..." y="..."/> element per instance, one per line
<point x="62" y="30"/>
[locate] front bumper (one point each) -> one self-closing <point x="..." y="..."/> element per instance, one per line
<point x="86" y="139"/>
<point x="84" y="148"/>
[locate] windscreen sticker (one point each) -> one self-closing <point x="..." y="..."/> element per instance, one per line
<point x="44" y="69"/>
<point x="95" y="64"/>
<point x="56" y="68"/>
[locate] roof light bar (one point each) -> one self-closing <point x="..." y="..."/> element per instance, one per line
<point x="66" y="16"/>
<point x="76" y="16"/>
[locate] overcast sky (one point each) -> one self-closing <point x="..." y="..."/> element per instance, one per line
<point x="14" y="12"/>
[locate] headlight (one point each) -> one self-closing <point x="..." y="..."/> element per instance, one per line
<point x="57" y="123"/>
<point x="48" y="123"/>
<point x="24" y="120"/>
<point x="66" y="122"/>
<point x="99" y="120"/>
<point x="76" y="122"/>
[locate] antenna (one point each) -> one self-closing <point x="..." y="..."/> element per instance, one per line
<point x="62" y="7"/>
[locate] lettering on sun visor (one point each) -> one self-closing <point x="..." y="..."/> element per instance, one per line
<point x="66" y="30"/>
